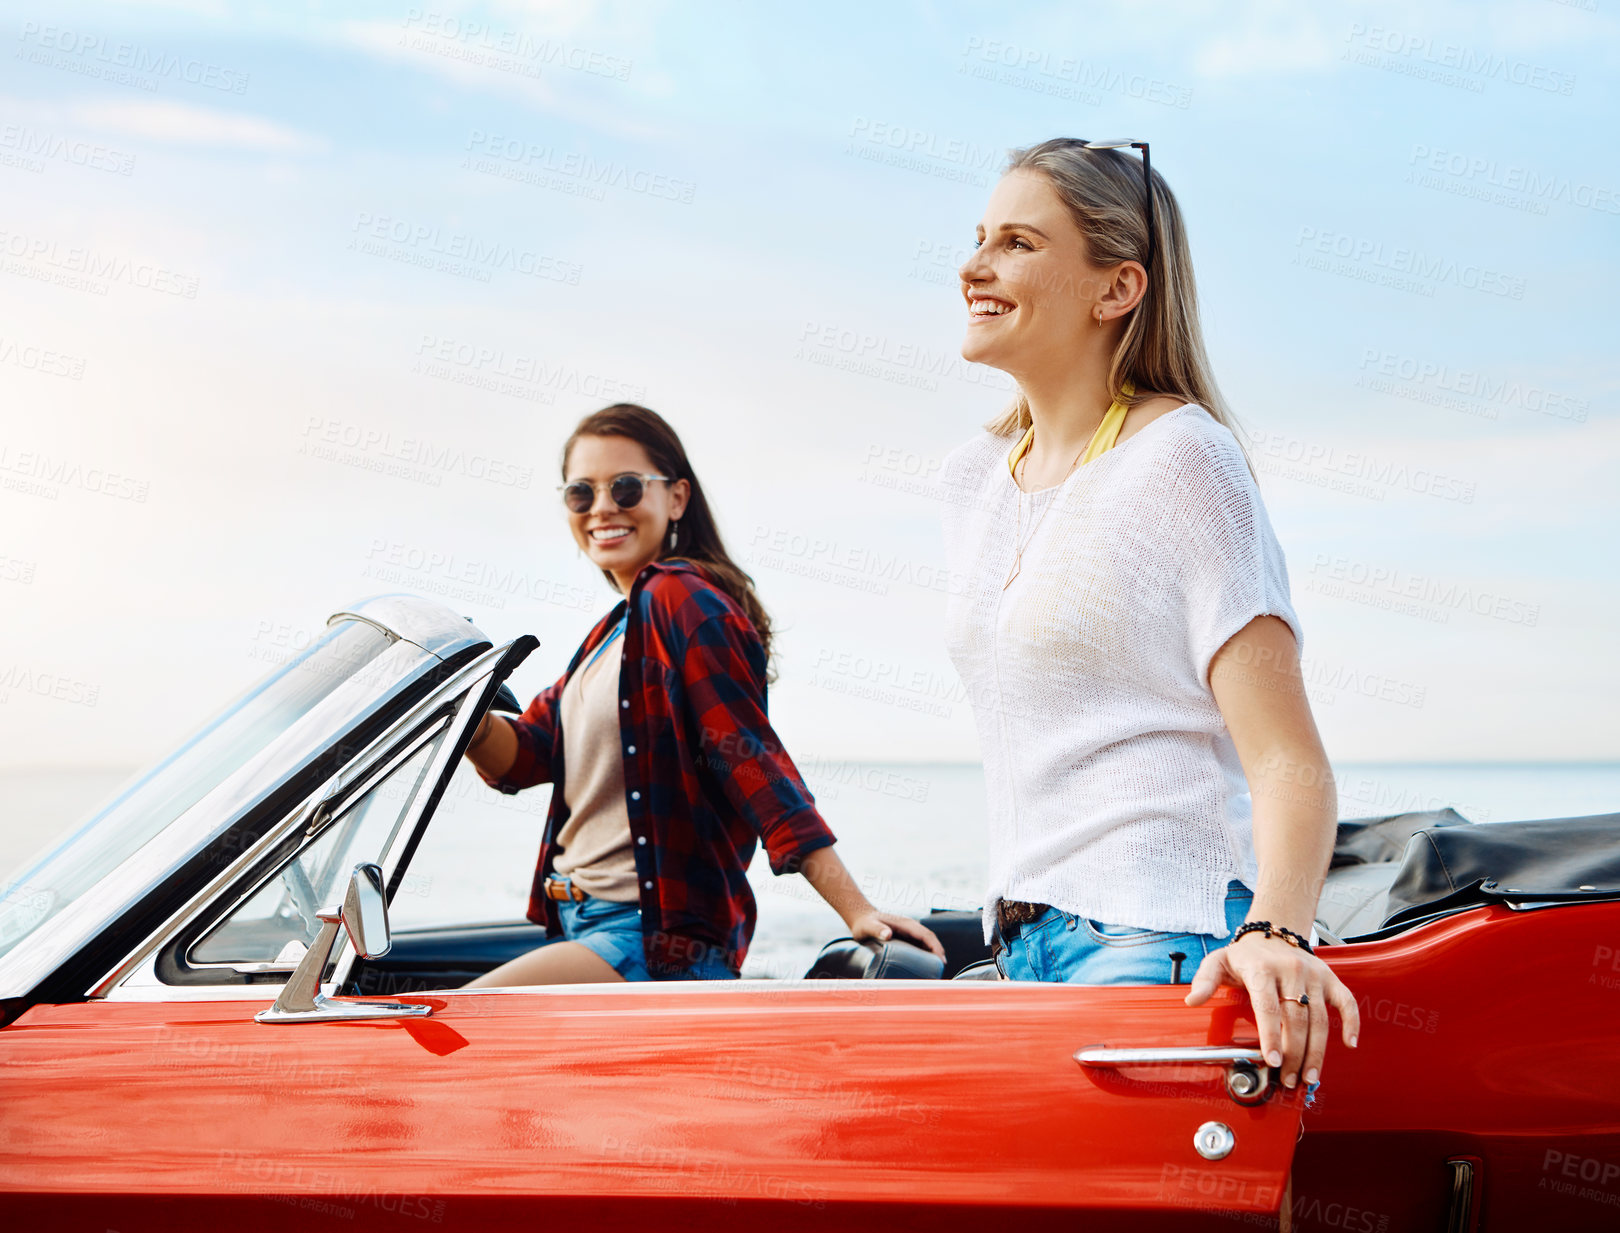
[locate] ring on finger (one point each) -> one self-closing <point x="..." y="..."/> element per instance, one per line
<point x="1303" y="999"/>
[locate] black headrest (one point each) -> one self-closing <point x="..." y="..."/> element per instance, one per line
<point x="847" y="959"/>
<point x="897" y="960"/>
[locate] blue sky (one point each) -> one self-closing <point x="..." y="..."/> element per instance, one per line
<point x="264" y="399"/>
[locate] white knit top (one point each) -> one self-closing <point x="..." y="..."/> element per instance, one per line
<point x="1115" y="792"/>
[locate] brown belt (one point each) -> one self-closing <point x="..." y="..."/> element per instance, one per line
<point x="1015" y="912"/>
<point x="558" y="887"/>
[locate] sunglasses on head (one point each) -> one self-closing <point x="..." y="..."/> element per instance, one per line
<point x="1147" y="185"/>
<point x="626" y="491"/>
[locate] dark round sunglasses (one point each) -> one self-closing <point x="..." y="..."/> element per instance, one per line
<point x="626" y="491"/>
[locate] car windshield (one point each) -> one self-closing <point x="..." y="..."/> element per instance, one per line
<point x="45" y="885"/>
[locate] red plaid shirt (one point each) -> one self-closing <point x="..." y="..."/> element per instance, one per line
<point x="705" y="777"/>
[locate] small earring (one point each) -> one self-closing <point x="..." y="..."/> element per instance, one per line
<point x="673" y="524"/>
<point x="1099" y="318"/>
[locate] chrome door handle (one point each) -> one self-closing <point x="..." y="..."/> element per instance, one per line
<point x="1213" y="1055"/>
<point x="1248" y="1078"/>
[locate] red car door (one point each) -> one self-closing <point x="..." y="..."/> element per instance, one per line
<point x="773" y="1105"/>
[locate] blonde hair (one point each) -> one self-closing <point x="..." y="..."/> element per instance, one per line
<point x="1162" y="348"/>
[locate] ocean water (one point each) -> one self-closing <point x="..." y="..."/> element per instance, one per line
<point x="912" y="833"/>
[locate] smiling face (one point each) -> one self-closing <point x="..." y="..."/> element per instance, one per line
<point x="621" y="541"/>
<point x="1030" y="289"/>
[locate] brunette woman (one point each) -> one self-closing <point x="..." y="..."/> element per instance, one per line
<point x="672" y="772"/>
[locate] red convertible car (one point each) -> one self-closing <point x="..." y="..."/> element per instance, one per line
<point x="205" y="1024"/>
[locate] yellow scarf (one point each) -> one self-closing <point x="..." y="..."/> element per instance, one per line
<point x="1101" y="441"/>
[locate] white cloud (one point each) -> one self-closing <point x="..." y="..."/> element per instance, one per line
<point x="507" y="56"/>
<point x="184" y="124"/>
<point x="1268" y="38"/>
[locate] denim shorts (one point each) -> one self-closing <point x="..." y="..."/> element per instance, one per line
<point x="613" y="931"/>
<point x="1059" y="947"/>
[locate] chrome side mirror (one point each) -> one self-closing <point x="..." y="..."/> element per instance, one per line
<point x="364" y="916"/>
<point x="365" y="912"/>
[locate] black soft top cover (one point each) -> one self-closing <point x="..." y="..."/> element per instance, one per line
<point x="1443" y="863"/>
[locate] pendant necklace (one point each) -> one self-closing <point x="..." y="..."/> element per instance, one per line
<point x="1020" y="540"/>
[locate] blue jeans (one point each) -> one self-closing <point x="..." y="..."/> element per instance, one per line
<point x="1059" y="947"/>
<point x="613" y="931"/>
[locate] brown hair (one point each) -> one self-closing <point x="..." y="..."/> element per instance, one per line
<point x="1162" y="347"/>
<point x="698" y="537"/>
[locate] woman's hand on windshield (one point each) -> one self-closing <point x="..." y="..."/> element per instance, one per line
<point x="494" y="746"/>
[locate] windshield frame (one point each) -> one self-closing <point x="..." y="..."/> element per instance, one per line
<point x="157" y="797"/>
<point x="58" y="952"/>
<point x="151" y="968"/>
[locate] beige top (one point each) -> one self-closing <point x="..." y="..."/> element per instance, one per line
<point x="596" y="838"/>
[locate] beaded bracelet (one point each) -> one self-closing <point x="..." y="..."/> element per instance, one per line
<point x="1282" y="931"/>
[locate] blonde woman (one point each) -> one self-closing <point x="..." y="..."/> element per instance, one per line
<point x="1121" y="617"/>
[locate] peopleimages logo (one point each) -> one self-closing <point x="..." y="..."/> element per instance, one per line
<point x="1044" y="71"/>
<point x="38" y="359"/>
<point x="1358" y="464"/>
<point x="1484" y="174"/>
<point x="856" y="565"/>
<point x="531" y="156"/>
<point x="1397" y="266"/>
<point x="922" y="151"/>
<point x="27" y="680"/>
<point x="37" y="473"/>
<point x="1331" y="575"/>
<point x="419" y="458"/>
<point x="98" y="56"/>
<point x="457" y="248"/>
<point x="494" y="47"/>
<point x="1451" y="63"/>
<point x="34" y="144"/>
<point x="97" y="269"/>
<point x="872" y="354"/>
<point x="1491" y="391"/>
<point x="921" y="141"/>
<point x="446" y="573"/>
<point x="486" y="366"/>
